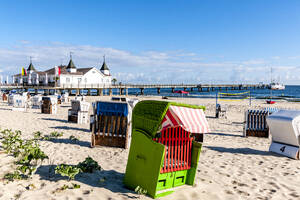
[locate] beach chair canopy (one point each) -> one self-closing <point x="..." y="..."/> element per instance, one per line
<point x="285" y="127"/>
<point x="149" y="116"/>
<point x="190" y="119"/>
<point x="112" y="108"/>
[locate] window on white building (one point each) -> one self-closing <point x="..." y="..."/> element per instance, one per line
<point x="68" y="80"/>
<point x="85" y="80"/>
<point x="79" y="80"/>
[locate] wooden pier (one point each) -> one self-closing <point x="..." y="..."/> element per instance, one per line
<point x="123" y="88"/>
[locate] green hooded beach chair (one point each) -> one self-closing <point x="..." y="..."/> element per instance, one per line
<point x="163" y="152"/>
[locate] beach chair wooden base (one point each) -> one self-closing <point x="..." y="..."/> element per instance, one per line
<point x="46" y="110"/>
<point x="80" y="117"/>
<point x="263" y="133"/>
<point x="99" y="140"/>
<point x="73" y="118"/>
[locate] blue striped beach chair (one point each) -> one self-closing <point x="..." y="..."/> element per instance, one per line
<point x="255" y="123"/>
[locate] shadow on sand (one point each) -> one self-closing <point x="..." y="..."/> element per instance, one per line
<point x="5" y="109"/>
<point x="65" y="106"/>
<point x="224" y="134"/>
<point x="68" y="141"/>
<point x="245" y="151"/>
<point x="112" y="180"/>
<point x="53" y="119"/>
<point x="71" y="128"/>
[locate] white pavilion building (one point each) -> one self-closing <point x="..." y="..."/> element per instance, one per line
<point x="69" y="76"/>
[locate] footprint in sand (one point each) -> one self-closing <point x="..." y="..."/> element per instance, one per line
<point x="285" y="173"/>
<point x="274" y="185"/>
<point x="272" y="191"/>
<point x="243" y="193"/>
<point x="228" y="192"/>
<point x="294" y="194"/>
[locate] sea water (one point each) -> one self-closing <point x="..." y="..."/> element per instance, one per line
<point x="291" y="93"/>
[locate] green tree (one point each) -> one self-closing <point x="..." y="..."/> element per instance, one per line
<point x="114" y="80"/>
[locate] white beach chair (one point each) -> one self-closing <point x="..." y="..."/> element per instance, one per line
<point x="285" y="130"/>
<point x="36" y="101"/>
<point x="221" y="111"/>
<point x="20" y="103"/>
<point x="79" y="112"/>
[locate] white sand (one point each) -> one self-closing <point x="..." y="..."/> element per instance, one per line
<point x="230" y="166"/>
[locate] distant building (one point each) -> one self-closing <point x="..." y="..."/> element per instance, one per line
<point x="69" y="75"/>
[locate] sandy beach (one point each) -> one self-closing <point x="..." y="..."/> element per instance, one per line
<point x="230" y="165"/>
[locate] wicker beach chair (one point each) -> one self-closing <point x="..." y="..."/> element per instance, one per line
<point x="255" y="123"/>
<point x="163" y="153"/>
<point x="221" y="111"/>
<point x="20" y="103"/>
<point x="285" y="130"/>
<point x="49" y="105"/>
<point x="111" y="124"/>
<point x="79" y="112"/>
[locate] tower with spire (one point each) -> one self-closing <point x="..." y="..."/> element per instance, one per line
<point x="71" y="67"/>
<point x="104" y="69"/>
<point x="30" y="68"/>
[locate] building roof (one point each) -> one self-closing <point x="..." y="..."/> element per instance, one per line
<point x="104" y="66"/>
<point x="31" y="67"/>
<point x="63" y="70"/>
<point x="84" y="70"/>
<point x="71" y="65"/>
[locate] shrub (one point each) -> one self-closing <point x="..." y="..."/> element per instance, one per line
<point x="56" y="134"/>
<point x="73" y="138"/>
<point x="89" y="165"/>
<point x="67" y="170"/>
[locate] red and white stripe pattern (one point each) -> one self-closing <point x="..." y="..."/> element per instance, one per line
<point x="191" y="119"/>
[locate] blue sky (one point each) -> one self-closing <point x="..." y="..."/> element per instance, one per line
<point x="212" y="41"/>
